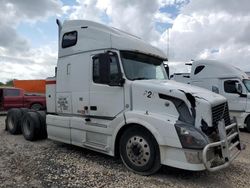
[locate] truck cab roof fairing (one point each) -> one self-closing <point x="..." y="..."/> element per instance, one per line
<point x="94" y="36"/>
<point x="216" y="69"/>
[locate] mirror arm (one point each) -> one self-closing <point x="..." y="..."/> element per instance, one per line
<point x="242" y="95"/>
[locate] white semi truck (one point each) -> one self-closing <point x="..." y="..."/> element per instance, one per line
<point x="226" y="80"/>
<point x="111" y="94"/>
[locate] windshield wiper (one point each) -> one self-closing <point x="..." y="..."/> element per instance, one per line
<point x="140" y="78"/>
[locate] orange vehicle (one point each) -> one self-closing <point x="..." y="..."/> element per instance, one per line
<point x="30" y="86"/>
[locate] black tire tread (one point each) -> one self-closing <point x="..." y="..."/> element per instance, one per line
<point x="155" y="164"/>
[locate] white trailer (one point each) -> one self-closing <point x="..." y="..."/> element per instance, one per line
<point x="111" y="94"/>
<point x="224" y="79"/>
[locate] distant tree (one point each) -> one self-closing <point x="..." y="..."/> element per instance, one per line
<point x="2" y="84"/>
<point x="9" y="83"/>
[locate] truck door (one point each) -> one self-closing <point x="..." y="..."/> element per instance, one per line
<point x="106" y="93"/>
<point x="236" y="102"/>
<point x="13" y="98"/>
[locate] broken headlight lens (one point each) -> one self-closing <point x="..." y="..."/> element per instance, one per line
<point x="190" y="137"/>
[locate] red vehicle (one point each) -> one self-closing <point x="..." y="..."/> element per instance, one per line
<point x="17" y="98"/>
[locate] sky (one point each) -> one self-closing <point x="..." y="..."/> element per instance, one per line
<point x="183" y="29"/>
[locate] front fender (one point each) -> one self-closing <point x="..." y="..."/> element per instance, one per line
<point x="161" y="127"/>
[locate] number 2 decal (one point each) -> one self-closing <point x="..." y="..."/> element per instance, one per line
<point x="148" y="94"/>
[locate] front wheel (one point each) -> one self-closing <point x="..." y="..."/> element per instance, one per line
<point x="139" y="151"/>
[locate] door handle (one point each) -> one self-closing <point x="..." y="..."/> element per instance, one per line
<point x="87" y="119"/>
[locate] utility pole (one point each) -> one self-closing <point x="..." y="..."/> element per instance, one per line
<point x="168" y="43"/>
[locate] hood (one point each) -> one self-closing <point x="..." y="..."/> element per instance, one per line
<point x="166" y="96"/>
<point x="176" y="89"/>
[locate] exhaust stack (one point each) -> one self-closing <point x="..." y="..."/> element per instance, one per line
<point x="59" y="24"/>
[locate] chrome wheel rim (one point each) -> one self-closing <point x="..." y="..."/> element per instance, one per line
<point x="138" y="151"/>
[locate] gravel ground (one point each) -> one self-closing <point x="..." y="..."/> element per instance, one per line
<point x="51" y="164"/>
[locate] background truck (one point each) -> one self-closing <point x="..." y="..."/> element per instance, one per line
<point x="223" y="79"/>
<point x="17" y="98"/>
<point x="111" y="94"/>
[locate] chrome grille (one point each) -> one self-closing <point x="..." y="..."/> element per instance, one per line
<point x="220" y="112"/>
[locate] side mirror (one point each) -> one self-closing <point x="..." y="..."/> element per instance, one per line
<point x="215" y="89"/>
<point x="238" y="88"/>
<point x="166" y="69"/>
<point x="104" y="69"/>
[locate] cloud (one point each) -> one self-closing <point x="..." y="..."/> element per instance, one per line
<point x="199" y="29"/>
<point x="11" y="41"/>
<point x="16" y="55"/>
<point x="240" y="7"/>
<point x="202" y="29"/>
<point x="163" y="17"/>
<point x="135" y="17"/>
<point x="31" y="10"/>
<point x="211" y="30"/>
<point x="38" y="63"/>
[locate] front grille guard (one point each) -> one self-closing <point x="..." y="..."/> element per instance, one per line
<point x="229" y="140"/>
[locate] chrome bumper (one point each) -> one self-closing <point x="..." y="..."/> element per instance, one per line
<point x="226" y="146"/>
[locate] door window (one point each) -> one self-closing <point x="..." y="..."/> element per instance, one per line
<point x="11" y="92"/>
<point x="114" y="70"/>
<point x="229" y="86"/>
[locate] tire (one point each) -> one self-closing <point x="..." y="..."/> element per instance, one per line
<point x="43" y="131"/>
<point x="13" y="121"/>
<point x="36" y="106"/>
<point x="248" y="124"/>
<point x="139" y="151"/>
<point x="31" y="126"/>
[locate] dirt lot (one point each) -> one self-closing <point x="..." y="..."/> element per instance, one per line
<point x="50" y="164"/>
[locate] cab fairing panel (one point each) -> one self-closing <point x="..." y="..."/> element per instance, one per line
<point x="58" y="128"/>
<point x="73" y="73"/>
<point x="51" y="95"/>
<point x="73" y="83"/>
<point x="96" y="36"/>
<point x="216" y="69"/>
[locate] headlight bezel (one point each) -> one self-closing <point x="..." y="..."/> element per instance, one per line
<point x="191" y="137"/>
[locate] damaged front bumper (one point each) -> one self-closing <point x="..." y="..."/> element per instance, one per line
<point x="229" y="147"/>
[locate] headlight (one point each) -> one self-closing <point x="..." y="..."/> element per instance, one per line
<point x="190" y="137"/>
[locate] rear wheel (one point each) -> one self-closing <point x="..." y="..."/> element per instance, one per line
<point x="248" y="124"/>
<point x="31" y="126"/>
<point x="139" y="151"/>
<point x="13" y="121"/>
<point x="36" y="106"/>
<point x="42" y="118"/>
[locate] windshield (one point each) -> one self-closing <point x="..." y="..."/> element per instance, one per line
<point x="139" y="66"/>
<point x="247" y="84"/>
